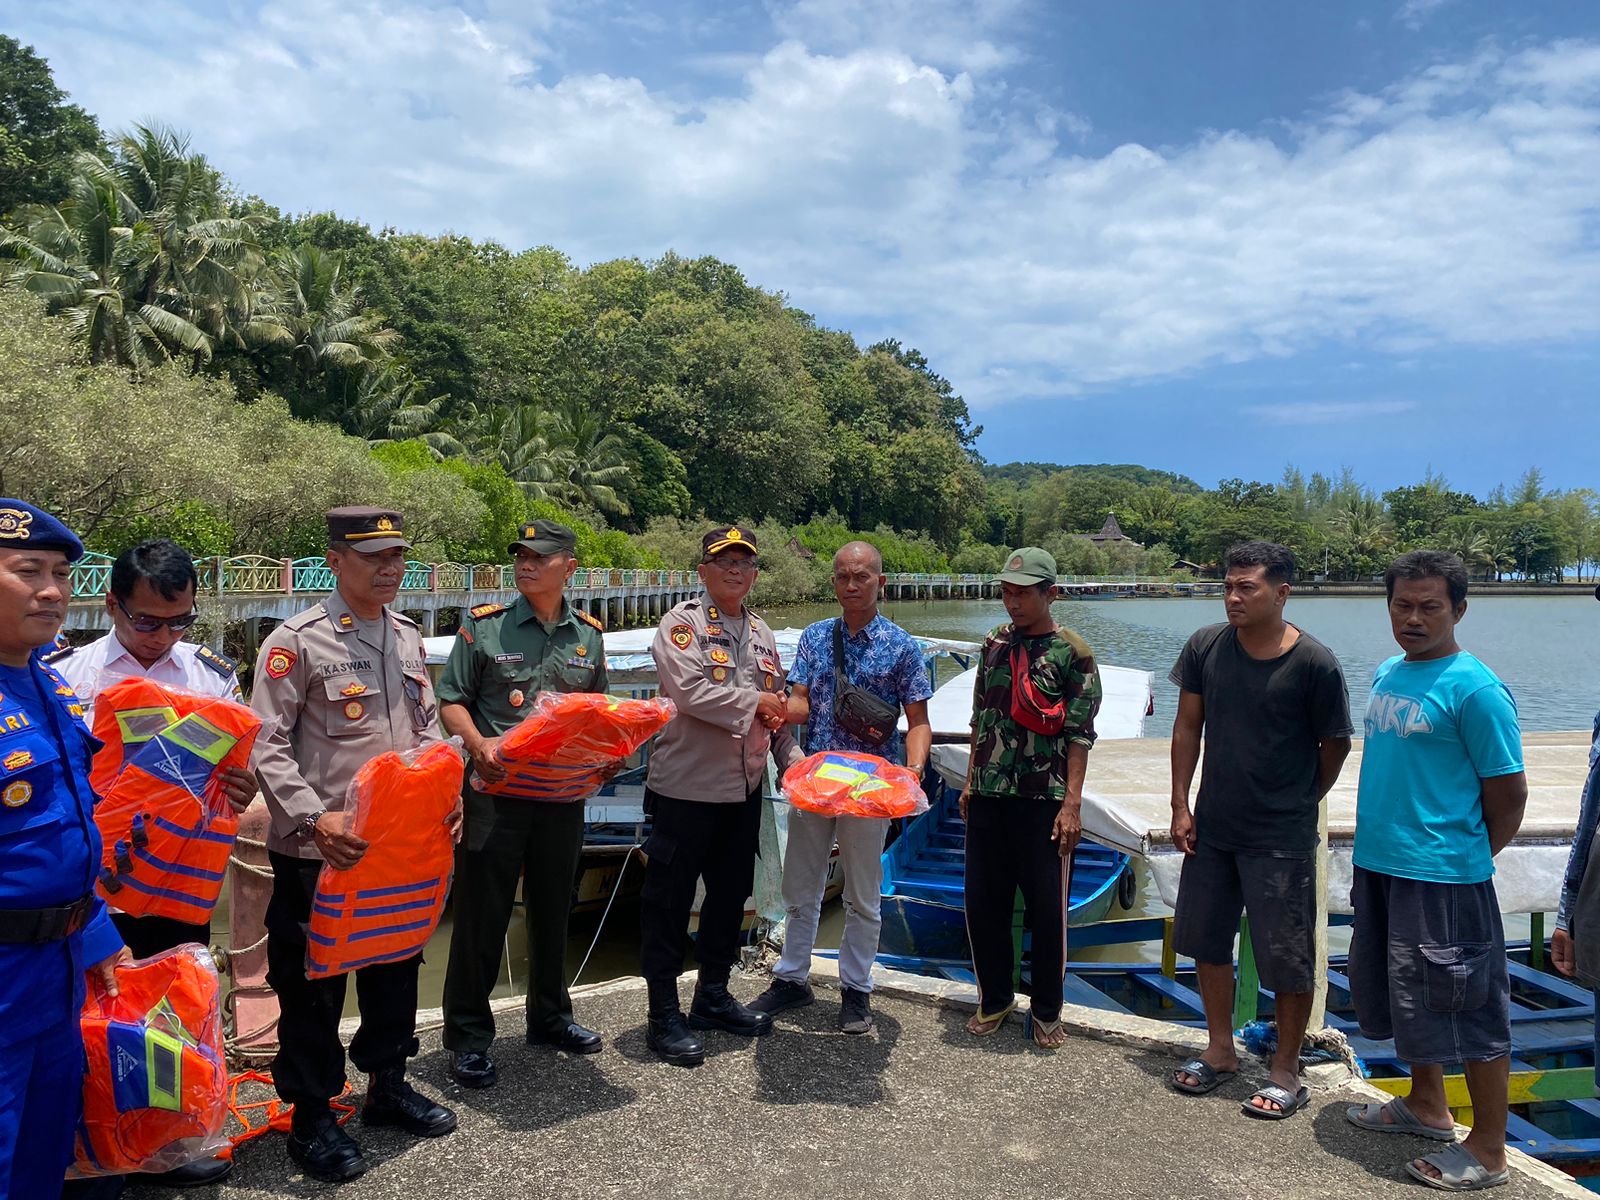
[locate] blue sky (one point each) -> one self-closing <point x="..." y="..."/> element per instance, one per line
<point x="1206" y="236"/>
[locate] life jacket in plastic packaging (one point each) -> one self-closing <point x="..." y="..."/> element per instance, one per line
<point x="569" y="742"/>
<point x="841" y="783"/>
<point x="155" y="1095"/>
<point x="386" y="907"/>
<point x="166" y="831"/>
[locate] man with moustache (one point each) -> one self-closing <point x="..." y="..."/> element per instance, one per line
<point x="503" y="657"/>
<point x="718" y="662"/>
<point x="885" y="660"/>
<point x="336" y="686"/>
<point x="53" y="928"/>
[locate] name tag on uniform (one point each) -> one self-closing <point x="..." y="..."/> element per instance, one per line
<point x="508" y="658"/>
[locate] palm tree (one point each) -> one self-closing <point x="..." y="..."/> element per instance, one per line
<point x="590" y="459"/>
<point x="319" y="322"/>
<point x="387" y="407"/>
<point x="139" y="256"/>
<point x="1465" y="538"/>
<point x="1364" y="527"/>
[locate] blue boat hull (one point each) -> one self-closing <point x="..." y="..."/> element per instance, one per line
<point x="923" y="892"/>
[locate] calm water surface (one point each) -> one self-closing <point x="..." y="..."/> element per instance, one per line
<point x="1546" y="648"/>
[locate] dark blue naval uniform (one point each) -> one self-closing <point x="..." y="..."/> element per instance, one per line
<point x="49" y="853"/>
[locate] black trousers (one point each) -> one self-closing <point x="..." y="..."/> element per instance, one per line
<point x="1009" y="847"/>
<point x="149" y="936"/>
<point x="690" y="840"/>
<point x="507" y="839"/>
<point x="309" y="1068"/>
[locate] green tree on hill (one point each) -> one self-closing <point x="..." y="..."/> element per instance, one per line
<point x="39" y="131"/>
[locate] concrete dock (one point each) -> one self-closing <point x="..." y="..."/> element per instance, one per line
<point x="916" y="1109"/>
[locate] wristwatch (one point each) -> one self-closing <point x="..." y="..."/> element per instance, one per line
<point x="307" y="826"/>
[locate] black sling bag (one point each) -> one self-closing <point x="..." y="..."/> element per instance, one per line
<point x="857" y="711"/>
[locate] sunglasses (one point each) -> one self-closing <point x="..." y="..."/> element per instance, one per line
<point x="151" y="624"/>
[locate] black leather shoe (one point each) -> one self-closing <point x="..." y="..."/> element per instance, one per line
<point x="393" y="1101"/>
<point x="783" y="995"/>
<point x="473" y="1069"/>
<point x="325" y="1150"/>
<point x="715" y="1008"/>
<point x="670" y="1038"/>
<point x="196" y="1174"/>
<point x="574" y="1038"/>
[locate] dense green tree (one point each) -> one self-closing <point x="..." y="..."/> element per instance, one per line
<point x="39" y="131"/>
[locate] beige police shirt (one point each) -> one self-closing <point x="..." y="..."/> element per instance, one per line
<point x="715" y="750"/>
<point x="335" y="692"/>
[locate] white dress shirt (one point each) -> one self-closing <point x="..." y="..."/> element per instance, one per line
<point x="100" y="664"/>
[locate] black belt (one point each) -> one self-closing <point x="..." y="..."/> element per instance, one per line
<point x="27" y="926"/>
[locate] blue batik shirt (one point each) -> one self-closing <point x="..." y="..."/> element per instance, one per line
<point x="882" y="658"/>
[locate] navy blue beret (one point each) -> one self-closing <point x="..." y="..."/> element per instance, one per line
<point x="24" y="527"/>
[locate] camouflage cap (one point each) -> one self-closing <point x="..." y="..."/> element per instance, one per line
<point x="1029" y="565"/>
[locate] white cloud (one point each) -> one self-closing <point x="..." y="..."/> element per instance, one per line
<point x="1413" y="14"/>
<point x="897" y="190"/>
<point x="1327" y="412"/>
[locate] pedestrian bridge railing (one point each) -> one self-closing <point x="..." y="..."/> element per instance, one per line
<point x="256" y="575"/>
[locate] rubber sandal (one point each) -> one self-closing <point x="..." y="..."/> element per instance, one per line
<point x="1288" y="1102"/>
<point x="1208" y="1078"/>
<point x="1458" y="1171"/>
<point x="988" y="1023"/>
<point x="1047" y="1029"/>
<point x="1401" y="1120"/>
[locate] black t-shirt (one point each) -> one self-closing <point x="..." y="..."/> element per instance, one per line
<point x="1263" y="721"/>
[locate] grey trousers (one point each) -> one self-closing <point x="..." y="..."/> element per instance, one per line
<point x="805" y="873"/>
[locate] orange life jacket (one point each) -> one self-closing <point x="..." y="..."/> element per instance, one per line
<point x="846" y="783"/>
<point x="155" y="1095"/>
<point x="165" y="830"/>
<point x="386" y="907"/>
<point x="564" y="747"/>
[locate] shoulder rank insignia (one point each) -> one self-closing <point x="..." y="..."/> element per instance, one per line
<point x="59" y="649"/>
<point x="712" y="613"/>
<point x="280" y="662"/>
<point x="681" y="636"/>
<point x="220" y="663"/>
<point x="486" y="610"/>
<point x="346" y="621"/>
<point x="589" y="620"/>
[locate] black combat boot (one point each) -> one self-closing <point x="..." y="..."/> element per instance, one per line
<point x="393" y="1101"/>
<point x="714" y="1007"/>
<point x="669" y="1034"/>
<point x="322" y="1148"/>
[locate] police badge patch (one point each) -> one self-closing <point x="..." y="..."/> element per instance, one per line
<point x="280" y="662"/>
<point x="681" y="636"/>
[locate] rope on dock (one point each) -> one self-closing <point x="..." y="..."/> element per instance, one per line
<point x="600" y="928"/>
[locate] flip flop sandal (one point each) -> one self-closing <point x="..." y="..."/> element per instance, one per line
<point x="1208" y="1078"/>
<point x="1401" y="1120"/>
<point x="1458" y="1171"/>
<point x="988" y="1023"/>
<point x="1288" y="1102"/>
<point x="1045" y="1029"/>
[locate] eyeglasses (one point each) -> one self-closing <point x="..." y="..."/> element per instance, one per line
<point x="742" y="563"/>
<point x="151" y="624"/>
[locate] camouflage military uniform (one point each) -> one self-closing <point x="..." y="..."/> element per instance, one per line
<point x="1018" y="783"/>
<point x="1009" y="760"/>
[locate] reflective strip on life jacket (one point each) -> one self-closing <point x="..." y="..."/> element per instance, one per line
<point x="166" y="833"/>
<point x="386" y="907"/>
<point x="155" y="1093"/>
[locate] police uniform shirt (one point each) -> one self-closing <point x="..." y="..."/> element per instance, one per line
<point x="93" y="668"/>
<point x="334" y="692"/>
<point x="49" y="846"/>
<point x="714" y="670"/>
<point x="504" y="656"/>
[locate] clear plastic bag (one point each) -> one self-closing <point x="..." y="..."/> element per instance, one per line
<point x="155" y="1095"/>
<point x="570" y="743"/>
<point x="845" y="783"/>
<point x="386" y="906"/>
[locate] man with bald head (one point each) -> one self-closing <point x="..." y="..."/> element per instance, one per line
<point x="870" y="652"/>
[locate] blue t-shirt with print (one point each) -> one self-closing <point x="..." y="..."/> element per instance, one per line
<point x="1434" y="730"/>
<point x="882" y="658"/>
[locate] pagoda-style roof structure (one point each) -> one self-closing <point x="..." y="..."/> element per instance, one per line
<point x="1109" y="532"/>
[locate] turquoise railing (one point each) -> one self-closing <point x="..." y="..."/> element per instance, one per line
<point x="255" y="574"/>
